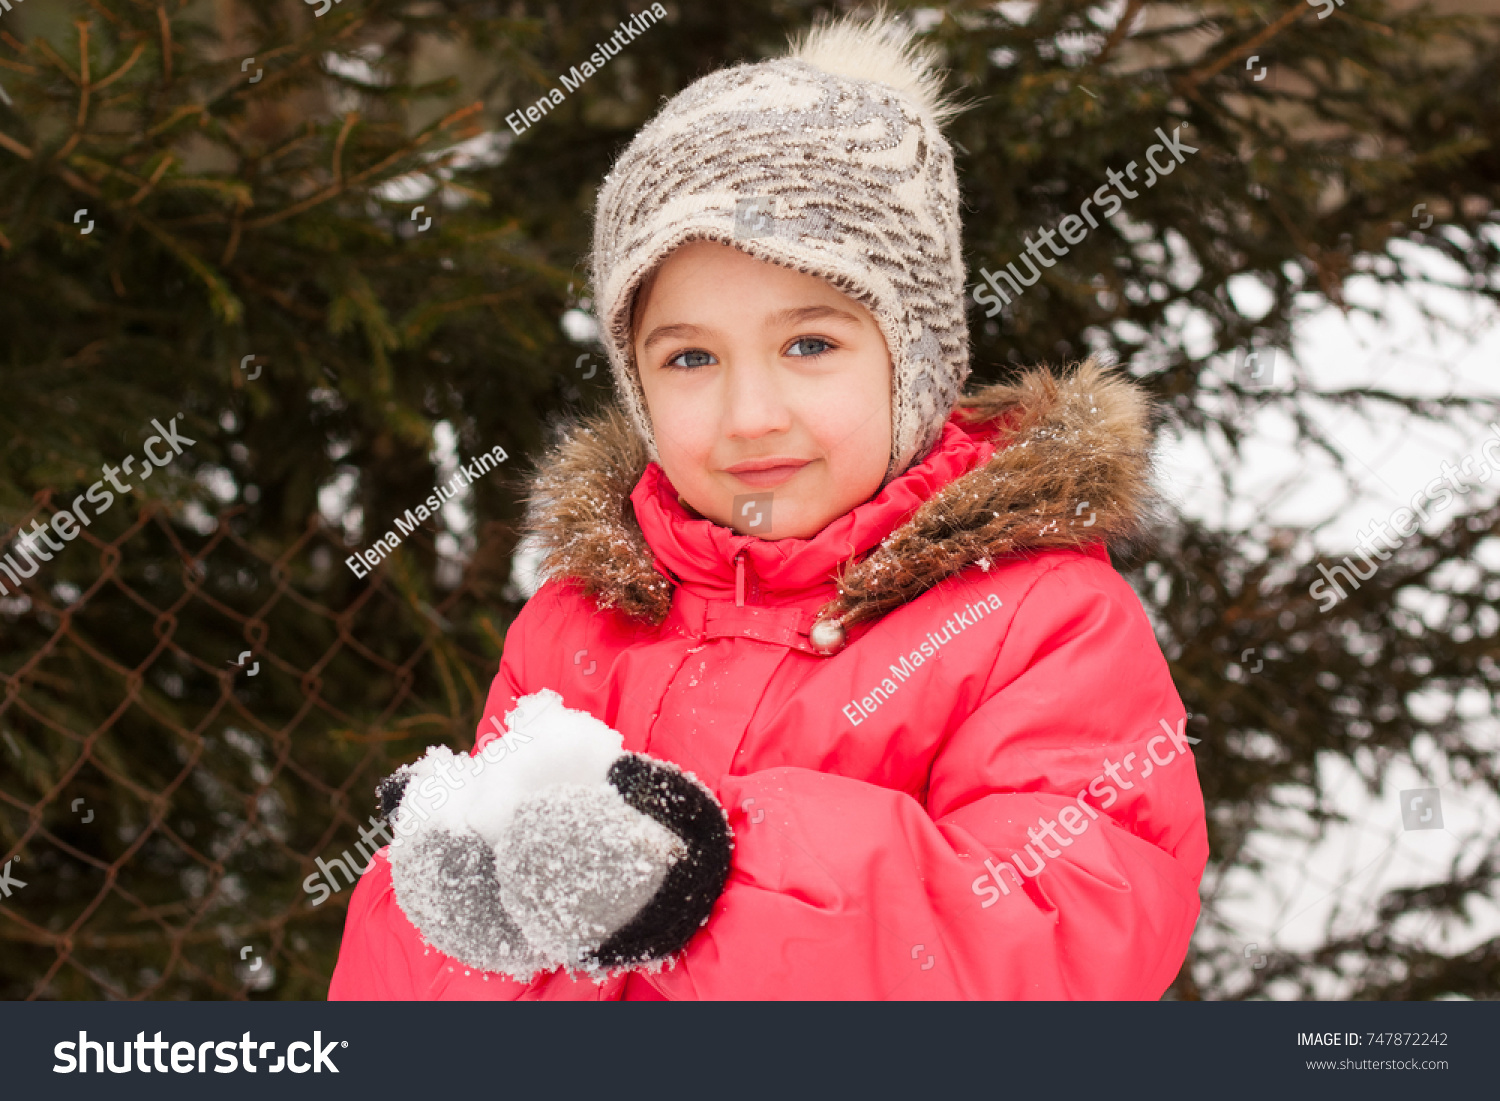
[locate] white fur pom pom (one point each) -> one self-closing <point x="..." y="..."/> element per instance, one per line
<point x="880" y="48"/>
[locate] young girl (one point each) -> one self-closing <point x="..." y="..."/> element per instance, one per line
<point x="831" y="690"/>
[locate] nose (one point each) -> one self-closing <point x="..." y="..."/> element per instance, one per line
<point x="754" y="399"/>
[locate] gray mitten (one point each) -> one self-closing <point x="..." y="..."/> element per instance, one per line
<point x="554" y="847"/>
<point x="445" y="883"/>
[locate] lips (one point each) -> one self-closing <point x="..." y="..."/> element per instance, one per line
<point x="764" y="473"/>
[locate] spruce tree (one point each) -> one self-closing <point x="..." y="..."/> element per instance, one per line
<point x="252" y="172"/>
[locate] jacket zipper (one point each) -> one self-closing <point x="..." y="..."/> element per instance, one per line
<point x="746" y="585"/>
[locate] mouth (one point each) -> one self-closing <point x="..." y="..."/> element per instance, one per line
<point x="764" y="473"/>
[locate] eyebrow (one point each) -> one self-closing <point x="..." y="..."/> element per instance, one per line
<point x="790" y="316"/>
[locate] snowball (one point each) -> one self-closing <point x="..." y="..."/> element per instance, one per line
<point x="545" y="744"/>
<point x="553" y="745"/>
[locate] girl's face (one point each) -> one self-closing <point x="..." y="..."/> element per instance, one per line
<point x="765" y="382"/>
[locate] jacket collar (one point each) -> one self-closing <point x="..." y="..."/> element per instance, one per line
<point x="712" y="558"/>
<point x="1037" y="463"/>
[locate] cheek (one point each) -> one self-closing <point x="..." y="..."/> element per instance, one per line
<point x="856" y="437"/>
<point x="856" y="423"/>
<point x="683" y="428"/>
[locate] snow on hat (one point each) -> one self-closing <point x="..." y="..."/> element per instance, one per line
<point x="828" y="161"/>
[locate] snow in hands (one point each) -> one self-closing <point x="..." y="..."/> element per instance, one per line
<point x="559" y="850"/>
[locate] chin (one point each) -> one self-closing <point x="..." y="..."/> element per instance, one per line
<point x="794" y="526"/>
<point x="797" y="527"/>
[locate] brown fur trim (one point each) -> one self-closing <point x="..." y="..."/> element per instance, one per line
<point x="1083" y="437"/>
<point x="1081" y="442"/>
<point x="579" y="512"/>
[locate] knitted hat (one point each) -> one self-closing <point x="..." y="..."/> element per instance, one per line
<point x="828" y="161"/>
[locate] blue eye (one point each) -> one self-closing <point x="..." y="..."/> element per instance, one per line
<point x="827" y="346"/>
<point x="705" y="361"/>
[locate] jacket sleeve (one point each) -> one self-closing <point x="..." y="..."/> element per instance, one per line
<point x="383" y="956"/>
<point x="844" y="889"/>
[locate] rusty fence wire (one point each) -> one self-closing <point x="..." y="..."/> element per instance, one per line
<point x="163" y="808"/>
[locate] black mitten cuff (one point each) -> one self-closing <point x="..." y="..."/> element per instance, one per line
<point x="686" y="897"/>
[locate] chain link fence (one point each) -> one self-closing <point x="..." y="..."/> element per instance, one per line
<point x="193" y="719"/>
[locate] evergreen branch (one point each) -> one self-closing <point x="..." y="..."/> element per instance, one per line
<point x="318" y="197"/>
<point x="102" y="10"/>
<point x="83" y="74"/>
<point x="67" y="147"/>
<point x="140" y="48"/>
<point x="421" y="139"/>
<point x="29" y="70"/>
<point x="306" y="59"/>
<point x="226" y="303"/>
<point x="87" y="356"/>
<point x="338" y="149"/>
<point x="483" y="198"/>
<point x="166" y="42"/>
<point x="146" y="187"/>
<point x="1430" y="407"/>
<point x="53" y="56"/>
<point x="83" y="160"/>
<point x="236" y="190"/>
<point x="282" y="299"/>
<point x="425" y="319"/>
<point x="209" y="218"/>
<point x="78" y="183"/>
<point x="8" y="142"/>
<point x="235" y="227"/>
<point x="1329" y="278"/>
<point x="340" y="184"/>
<point x="1188" y="84"/>
<point x="1121" y="28"/>
<point x="357" y="302"/>
<point x="181" y="113"/>
<point x="309" y="130"/>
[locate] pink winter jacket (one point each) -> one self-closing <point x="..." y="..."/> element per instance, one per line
<point x="985" y="793"/>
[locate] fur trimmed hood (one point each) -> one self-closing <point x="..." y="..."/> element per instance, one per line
<point x="1064" y="446"/>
